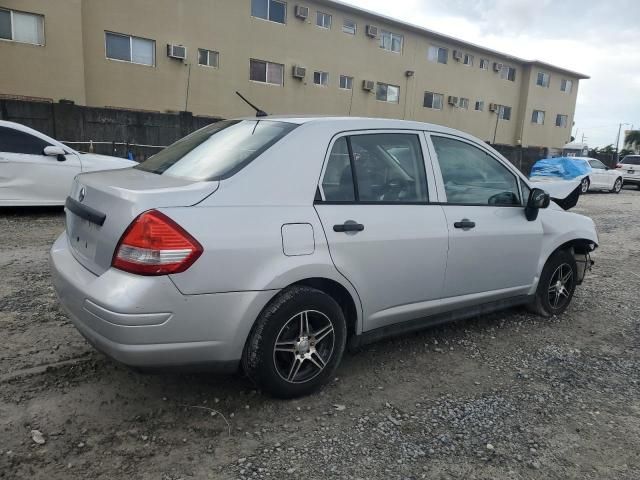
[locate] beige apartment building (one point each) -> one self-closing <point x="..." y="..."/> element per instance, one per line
<point x="295" y="57"/>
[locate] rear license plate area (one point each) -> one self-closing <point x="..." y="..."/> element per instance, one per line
<point x="82" y="235"/>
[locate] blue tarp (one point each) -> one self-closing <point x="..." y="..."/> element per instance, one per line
<point x="560" y="167"/>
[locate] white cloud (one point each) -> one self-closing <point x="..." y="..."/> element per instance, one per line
<point x="593" y="37"/>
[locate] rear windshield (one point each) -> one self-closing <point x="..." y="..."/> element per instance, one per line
<point x="631" y="160"/>
<point x="218" y="150"/>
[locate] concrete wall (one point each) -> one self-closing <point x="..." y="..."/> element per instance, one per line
<point x="54" y="70"/>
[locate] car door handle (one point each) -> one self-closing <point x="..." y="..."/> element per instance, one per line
<point x="348" y="227"/>
<point x="465" y="224"/>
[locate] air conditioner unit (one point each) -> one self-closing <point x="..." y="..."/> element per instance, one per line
<point x="497" y="66"/>
<point x="457" y="55"/>
<point x="372" y="31"/>
<point x="368" y="85"/>
<point x="453" y="100"/>
<point x="299" y="72"/>
<point x="177" y="51"/>
<point x="493" y="107"/>
<point x="302" y="12"/>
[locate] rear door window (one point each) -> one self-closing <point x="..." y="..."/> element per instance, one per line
<point x="218" y="150"/>
<point x="15" y="141"/>
<point x="376" y="168"/>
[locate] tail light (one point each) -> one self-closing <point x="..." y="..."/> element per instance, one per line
<point x="618" y="165"/>
<point x="155" y="245"/>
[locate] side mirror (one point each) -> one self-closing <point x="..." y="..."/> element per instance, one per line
<point x="52" y="151"/>
<point x="538" y="199"/>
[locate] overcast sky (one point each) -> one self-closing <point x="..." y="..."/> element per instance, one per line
<point x="600" y="38"/>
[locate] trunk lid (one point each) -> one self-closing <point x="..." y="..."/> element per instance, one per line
<point x="115" y="198"/>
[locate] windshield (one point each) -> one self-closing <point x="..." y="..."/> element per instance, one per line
<point x="218" y="150"/>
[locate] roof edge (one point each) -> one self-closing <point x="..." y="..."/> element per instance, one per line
<point x="340" y="5"/>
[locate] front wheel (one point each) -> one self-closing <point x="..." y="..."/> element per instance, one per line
<point x="297" y="343"/>
<point x="557" y="284"/>
<point x="617" y="186"/>
<point x="584" y="185"/>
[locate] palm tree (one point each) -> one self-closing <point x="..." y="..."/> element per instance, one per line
<point x="632" y="138"/>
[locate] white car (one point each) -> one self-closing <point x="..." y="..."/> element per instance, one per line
<point x="600" y="177"/>
<point x="37" y="170"/>
<point x="630" y="168"/>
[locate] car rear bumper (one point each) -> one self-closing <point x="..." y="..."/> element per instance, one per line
<point x="631" y="180"/>
<point x="146" y="322"/>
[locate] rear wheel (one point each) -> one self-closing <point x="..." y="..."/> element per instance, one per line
<point x="617" y="186"/>
<point x="557" y="284"/>
<point x="297" y="343"/>
<point x="584" y="185"/>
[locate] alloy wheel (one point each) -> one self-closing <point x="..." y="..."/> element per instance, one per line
<point x="560" y="286"/>
<point x="304" y="346"/>
<point x="584" y="186"/>
<point x="618" y="185"/>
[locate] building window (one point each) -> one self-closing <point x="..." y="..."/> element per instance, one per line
<point x="391" y="41"/>
<point x="323" y="20"/>
<point x="505" y="112"/>
<point x="388" y="93"/>
<point x="349" y="26"/>
<point x="479" y="106"/>
<point x="484" y="64"/>
<point x="537" y="117"/>
<point x="468" y="60"/>
<point x="321" y="78"/>
<point x="266" y="72"/>
<point x="22" y="27"/>
<point x="208" y="58"/>
<point x="561" y="120"/>
<point x="464" y="103"/>
<point x="508" y="73"/>
<point x="433" y="100"/>
<point x="543" y="79"/>
<point x="272" y="10"/>
<point x="438" y="55"/>
<point x="346" y="82"/>
<point x="566" y="85"/>
<point x="130" y="49"/>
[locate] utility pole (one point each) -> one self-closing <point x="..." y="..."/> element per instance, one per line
<point x="495" y="131"/>
<point x="618" y="141"/>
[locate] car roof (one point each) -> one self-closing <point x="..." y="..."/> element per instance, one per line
<point x="361" y="123"/>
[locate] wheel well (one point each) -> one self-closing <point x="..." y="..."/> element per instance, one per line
<point x="340" y="295"/>
<point x="578" y="245"/>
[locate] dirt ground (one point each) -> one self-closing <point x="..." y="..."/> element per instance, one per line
<point x="505" y="396"/>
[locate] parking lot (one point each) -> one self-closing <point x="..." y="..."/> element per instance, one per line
<point x="507" y="395"/>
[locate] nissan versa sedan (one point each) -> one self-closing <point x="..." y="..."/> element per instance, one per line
<point x="273" y="244"/>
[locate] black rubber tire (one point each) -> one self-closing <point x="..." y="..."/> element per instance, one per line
<point x="615" y="189"/>
<point x="588" y="182"/>
<point x="258" y="359"/>
<point x="541" y="304"/>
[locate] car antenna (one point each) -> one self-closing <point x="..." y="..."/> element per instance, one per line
<point x="259" y="113"/>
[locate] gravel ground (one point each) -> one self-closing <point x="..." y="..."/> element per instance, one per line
<point x="504" y="396"/>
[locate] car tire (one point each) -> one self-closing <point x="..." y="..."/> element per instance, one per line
<point x="584" y="185"/>
<point x="617" y="186"/>
<point x="296" y="344"/>
<point x="557" y="285"/>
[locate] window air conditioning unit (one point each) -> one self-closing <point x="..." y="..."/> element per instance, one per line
<point x="177" y="51"/>
<point x="457" y="55"/>
<point x="302" y="12"/>
<point x="497" y="66"/>
<point x="372" y="31"/>
<point x="368" y="85"/>
<point x="299" y="72"/>
<point x="453" y="100"/>
<point x="493" y="107"/>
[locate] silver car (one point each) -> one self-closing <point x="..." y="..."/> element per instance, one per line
<point x="274" y="243"/>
